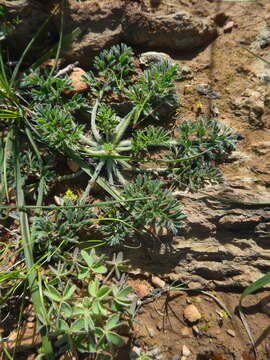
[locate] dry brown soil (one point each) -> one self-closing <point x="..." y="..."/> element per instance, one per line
<point x="228" y="68"/>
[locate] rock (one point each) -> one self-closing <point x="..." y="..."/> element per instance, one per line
<point x="175" y="31"/>
<point x="155" y="351"/>
<point x="265" y="305"/>
<point x="76" y="77"/>
<point x="237" y="156"/>
<point x="176" y="357"/>
<point x="228" y="26"/>
<point x="135" y="353"/>
<point x="153" y="57"/>
<point x="263" y="38"/>
<point x="157" y="282"/>
<point x="192" y="314"/>
<point x="214" y="110"/>
<point x="185" y="73"/>
<point x="252" y="103"/>
<point x="151" y="332"/>
<point x="261" y="148"/>
<point x="196" y="330"/>
<point x="194" y="285"/>
<point x="102" y="26"/>
<point x="221" y="244"/>
<point x="185" y="351"/>
<point x="237" y="221"/>
<point x="260" y="69"/>
<point x="32" y="15"/>
<point x="141" y="289"/>
<point x="207" y="91"/>
<point x="231" y="332"/>
<point x="185" y="331"/>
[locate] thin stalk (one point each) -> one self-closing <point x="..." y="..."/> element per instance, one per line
<point x="125" y="143"/>
<point x="101" y="182"/>
<point x="59" y="42"/>
<point x="7" y="152"/>
<point x="123" y="148"/>
<point x="28" y="252"/>
<point x="67" y="39"/>
<point x="93" y="118"/>
<point x="109" y="170"/>
<point x="92" y="181"/>
<point x="122" y="126"/>
<point x="55" y="207"/>
<point x="118" y="174"/>
<point x="41" y="185"/>
<point x="85" y="140"/>
<point x="26" y="50"/>
<point x="126" y="165"/>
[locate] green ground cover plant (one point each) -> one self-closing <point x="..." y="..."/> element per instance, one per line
<point x="118" y="133"/>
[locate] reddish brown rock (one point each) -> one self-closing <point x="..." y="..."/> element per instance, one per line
<point x="76" y="77"/>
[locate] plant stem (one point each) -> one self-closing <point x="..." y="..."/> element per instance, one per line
<point x="28" y="253"/>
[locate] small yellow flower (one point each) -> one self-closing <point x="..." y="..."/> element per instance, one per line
<point x="70" y="195"/>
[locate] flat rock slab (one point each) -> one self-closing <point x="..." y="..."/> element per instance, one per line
<point x="222" y="245"/>
<point x="105" y="23"/>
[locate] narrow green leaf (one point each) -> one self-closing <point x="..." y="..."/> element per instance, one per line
<point x="255" y="286"/>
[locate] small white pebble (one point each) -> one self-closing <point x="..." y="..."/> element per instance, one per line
<point x="185" y="351"/>
<point x="231" y="332"/>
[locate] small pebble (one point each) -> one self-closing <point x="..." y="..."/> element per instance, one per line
<point x="228" y="26"/>
<point x="191" y="313"/>
<point x="207" y="91"/>
<point x="196" y="330"/>
<point x="151" y="332"/>
<point x="154" y="352"/>
<point x="185" y="351"/>
<point x="231" y="332"/>
<point x="157" y="282"/>
<point x="185" y="331"/>
<point x="135" y="353"/>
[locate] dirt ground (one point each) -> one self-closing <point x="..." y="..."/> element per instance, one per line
<point x="230" y="70"/>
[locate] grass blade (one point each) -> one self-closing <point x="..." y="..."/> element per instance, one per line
<point x="28" y="251"/>
<point x="257" y="285"/>
<point x="67" y="39"/>
<point x="7" y="153"/>
<point x="27" y="49"/>
<point x="59" y="42"/>
<point x="101" y="182"/>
